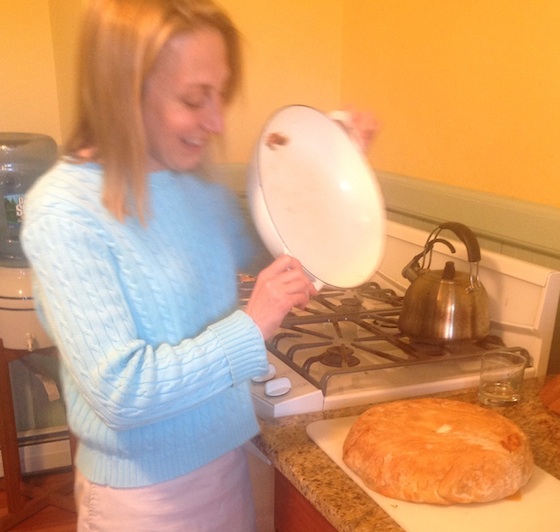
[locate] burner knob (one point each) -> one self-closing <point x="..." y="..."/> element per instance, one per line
<point x="277" y="387"/>
<point x="269" y="375"/>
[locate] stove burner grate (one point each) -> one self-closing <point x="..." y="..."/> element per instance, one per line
<point x="336" y="356"/>
<point x="356" y="331"/>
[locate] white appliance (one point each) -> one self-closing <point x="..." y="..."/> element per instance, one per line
<point x="23" y="158"/>
<point x="35" y="391"/>
<point x="523" y="302"/>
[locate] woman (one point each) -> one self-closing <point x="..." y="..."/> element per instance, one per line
<point x="135" y="259"/>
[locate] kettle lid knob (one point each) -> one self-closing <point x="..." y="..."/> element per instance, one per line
<point x="449" y="271"/>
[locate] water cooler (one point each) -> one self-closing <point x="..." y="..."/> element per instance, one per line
<point x="23" y="158"/>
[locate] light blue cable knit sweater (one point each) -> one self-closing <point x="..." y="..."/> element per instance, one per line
<point x="156" y="356"/>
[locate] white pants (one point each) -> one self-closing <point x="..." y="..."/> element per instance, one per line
<point x="214" y="498"/>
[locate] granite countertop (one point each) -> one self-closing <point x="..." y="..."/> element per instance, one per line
<point x="341" y="501"/>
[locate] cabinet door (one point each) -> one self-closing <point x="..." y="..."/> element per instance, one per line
<point x="293" y="512"/>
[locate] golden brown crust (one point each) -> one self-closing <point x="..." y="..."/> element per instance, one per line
<point x="438" y="451"/>
<point x="550" y="394"/>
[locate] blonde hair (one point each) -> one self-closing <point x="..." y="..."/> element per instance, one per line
<point x="120" y="43"/>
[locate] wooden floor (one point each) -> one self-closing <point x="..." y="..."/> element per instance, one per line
<point x="50" y="518"/>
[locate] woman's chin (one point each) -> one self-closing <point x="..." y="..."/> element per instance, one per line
<point x="176" y="164"/>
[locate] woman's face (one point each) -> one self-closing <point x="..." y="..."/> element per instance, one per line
<point x="182" y="103"/>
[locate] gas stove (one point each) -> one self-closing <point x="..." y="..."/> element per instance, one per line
<point x="345" y="347"/>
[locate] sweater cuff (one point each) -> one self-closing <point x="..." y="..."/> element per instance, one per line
<point x="243" y="346"/>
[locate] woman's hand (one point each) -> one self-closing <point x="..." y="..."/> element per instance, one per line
<point x="278" y="288"/>
<point x="361" y="126"/>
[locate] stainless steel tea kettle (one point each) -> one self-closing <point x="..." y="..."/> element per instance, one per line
<point x="445" y="305"/>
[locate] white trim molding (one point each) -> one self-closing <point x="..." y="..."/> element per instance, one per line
<point x="521" y="229"/>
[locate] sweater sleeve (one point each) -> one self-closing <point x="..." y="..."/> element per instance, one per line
<point x="127" y="381"/>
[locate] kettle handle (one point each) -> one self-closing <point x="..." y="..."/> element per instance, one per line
<point x="466" y="236"/>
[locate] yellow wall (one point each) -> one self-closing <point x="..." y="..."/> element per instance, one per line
<point x="293" y="53"/>
<point x="65" y="17"/>
<point x="28" y="95"/>
<point x="468" y="93"/>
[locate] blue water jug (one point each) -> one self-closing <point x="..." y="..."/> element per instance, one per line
<point x="23" y="158"/>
